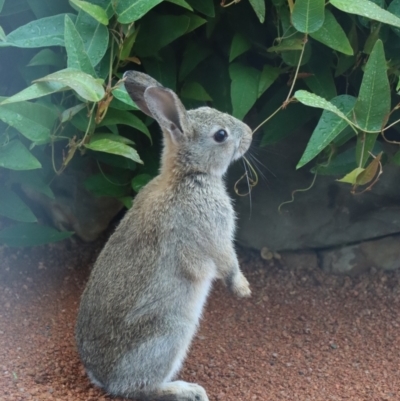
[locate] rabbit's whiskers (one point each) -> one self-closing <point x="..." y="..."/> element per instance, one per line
<point x="251" y="182"/>
<point x="248" y="186"/>
<point x="255" y="161"/>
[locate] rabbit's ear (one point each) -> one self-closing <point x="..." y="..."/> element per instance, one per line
<point x="136" y="84"/>
<point x="168" y="110"/>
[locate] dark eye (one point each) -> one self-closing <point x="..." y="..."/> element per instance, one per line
<point x="220" y="136"/>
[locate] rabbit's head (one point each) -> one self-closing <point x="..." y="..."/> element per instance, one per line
<point x="200" y="140"/>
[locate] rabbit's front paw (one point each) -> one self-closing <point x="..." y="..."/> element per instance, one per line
<point x="240" y="286"/>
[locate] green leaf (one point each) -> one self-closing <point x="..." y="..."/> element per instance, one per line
<point x="131" y="10"/>
<point x="321" y="81"/>
<point x="206" y="7"/>
<point x="373" y="104"/>
<point x="351" y="178"/>
<point x="34" y="91"/>
<point x="328" y="128"/>
<point x="107" y="5"/>
<point x="117" y="104"/>
<point x="46" y="112"/>
<point x="216" y="84"/>
<point x="32" y="180"/>
<point x="310" y="99"/>
<point x="239" y="46"/>
<point x="365" y="145"/>
<point x="163" y="68"/>
<point x="67" y="114"/>
<point x="47" y="57"/>
<point x="124" y="117"/>
<point x="127" y="45"/>
<point x="114" y="128"/>
<point x="332" y="35"/>
<point x="340" y="164"/>
<point x="127" y="201"/>
<point x="292" y="58"/>
<point x="159" y="31"/>
<point x="3" y="37"/>
<point x="95" y="37"/>
<point x="14" y="7"/>
<point x="113" y="144"/>
<point x="31" y="119"/>
<point x="140" y="181"/>
<point x="15" y="156"/>
<point x="193" y="55"/>
<point x="290" y="44"/>
<point x="195" y="22"/>
<point x="31" y="235"/>
<point x="83" y="84"/>
<point x="396" y="158"/>
<point x="82" y="121"/>
<point x="345" y="136"/>
<point x="308" y="15"/>
<point x="259" y="9"/>
<point x="122" y="95"/>
<point x="106" y="185"/>
<point x="193" y="90"/>
<point x="372" y="38"/>
<point x="77" y="56"/>
<point x="181" y="3"/>
<point x="47" y="8"/>
<point x="268" y="76"/>
<point x="344" y="64"/>
<point x="95" y="11"/>
<point x="115" y="161"/>
<point x="368" y="9"/>
<point x="14" y="208"/>
<point x="111" y="137"/>
<point x="1" y="4"/>
<point x="394" y="8"/>
<point x="244" y="88"/>
<point x="43" y="32"/>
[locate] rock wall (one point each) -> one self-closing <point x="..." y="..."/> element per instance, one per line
<point x="327" y="216"/>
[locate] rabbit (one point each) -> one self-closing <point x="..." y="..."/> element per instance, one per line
<point x="145" y="295"/>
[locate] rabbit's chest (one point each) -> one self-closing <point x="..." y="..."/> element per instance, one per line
<point x="219" y="218"/>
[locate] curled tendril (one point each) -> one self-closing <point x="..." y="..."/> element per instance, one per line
<point x="252" y="182"/>
<point x="229" y="4"/>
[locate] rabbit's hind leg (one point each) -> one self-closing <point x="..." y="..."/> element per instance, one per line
<point x="147" y="370"/>
<point x="176" y="391"/>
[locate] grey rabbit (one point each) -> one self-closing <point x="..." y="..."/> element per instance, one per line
<point x="145" y="295"/>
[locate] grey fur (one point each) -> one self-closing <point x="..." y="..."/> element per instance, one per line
<point x="142" y="304"/>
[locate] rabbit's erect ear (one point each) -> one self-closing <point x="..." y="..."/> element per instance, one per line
<point x="168" y="110"/>
<point x="158" y="102"/>
<point x="136" y="84"/>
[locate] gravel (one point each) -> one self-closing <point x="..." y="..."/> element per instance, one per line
<point x="303" y="336"/>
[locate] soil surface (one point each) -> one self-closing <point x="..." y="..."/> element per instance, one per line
<point x="303" y="336"/>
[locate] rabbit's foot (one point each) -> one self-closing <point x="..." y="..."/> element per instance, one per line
<point x="180" y="391"/>
<point x="239" y="285"/>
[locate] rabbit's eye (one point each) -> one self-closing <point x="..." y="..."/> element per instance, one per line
<point x="220" y="136"/>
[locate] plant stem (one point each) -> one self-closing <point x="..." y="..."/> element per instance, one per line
<point x="297" y="71"/>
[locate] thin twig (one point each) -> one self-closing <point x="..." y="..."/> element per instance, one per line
<point x="267" y="119"/>
<point x="297" y="71"/>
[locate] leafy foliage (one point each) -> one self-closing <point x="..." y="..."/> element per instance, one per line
<point x="334" y="65"/>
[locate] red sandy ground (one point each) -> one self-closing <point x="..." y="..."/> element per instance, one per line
<point x="303" y="336"/>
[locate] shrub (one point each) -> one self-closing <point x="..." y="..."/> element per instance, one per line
<point x="333" y="65"/>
